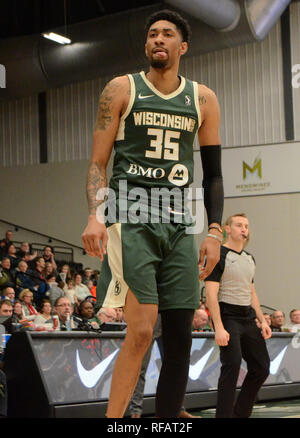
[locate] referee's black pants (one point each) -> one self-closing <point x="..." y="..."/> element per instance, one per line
<point x="245" y="342"/>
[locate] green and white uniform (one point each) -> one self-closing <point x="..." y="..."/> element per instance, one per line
<point x="153" y="150"/>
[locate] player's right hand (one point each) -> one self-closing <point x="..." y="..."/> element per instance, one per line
<point x="95" y="238"/>
<point x="222" y="337"/>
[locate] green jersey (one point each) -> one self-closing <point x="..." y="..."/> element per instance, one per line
<point x="154" y="143"/>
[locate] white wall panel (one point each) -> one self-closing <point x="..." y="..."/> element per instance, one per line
<point x="71" y="114"/>
<point x="295" y="51"/>
<point x="248" y="84"/>
<point x="19" y="132"/>
<point x="246" y="79"/>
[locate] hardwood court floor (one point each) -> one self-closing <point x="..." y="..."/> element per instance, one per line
<point x="273" y="409"/>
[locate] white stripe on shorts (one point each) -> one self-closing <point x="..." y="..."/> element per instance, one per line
<point x="118" y="288"/>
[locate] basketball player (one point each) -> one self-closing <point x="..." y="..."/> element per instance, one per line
<point x="234" y="305"/>
<point x="151" y="118"/>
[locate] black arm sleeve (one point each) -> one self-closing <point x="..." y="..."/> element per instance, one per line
<point x="212" y="183"/>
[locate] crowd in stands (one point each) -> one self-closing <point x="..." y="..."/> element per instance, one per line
<point x="34" y="288"/>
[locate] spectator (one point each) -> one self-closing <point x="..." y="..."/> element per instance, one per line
<point x="38" y="273"/>
<point x="92" y="289"/>
<point x="87" y="276"/>
<point x="65" y="273"/>
<point x="49" y="256"/>
<point x="82" y="291"/>
<point x="17" y="311"/>
<point x="6" y="275"/>
<point x="294" y="325"/>
<point x="6" y="308"/>
<point x="96" y="276"/>
<point x="4" y="244"/>
<point x="23" y="278"/>
<point x="38" y="277"/>
<point x="120" y="316"/>
<point x="107" y="314"/>
<point x="28" y="310"/>
<point x="87" y="313"/>
<point x="49" y="269"/>
<point x="277" y="321"/>
<point x="11" y="254"/>
<point x="70" y="293"/>
<point x="9" y="293"/>
<point x="200" y="321"/>
<point x="55" y="291"/>
<point x="268" y="318"/>
<point x="25" y="254"/>
<point x="64" y="311"/>
<point x="16" y="317"/>
<point x="295" y="316"/>
<point x="44" y="317"/>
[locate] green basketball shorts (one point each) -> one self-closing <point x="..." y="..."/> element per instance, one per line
<point x="157" y="262"/>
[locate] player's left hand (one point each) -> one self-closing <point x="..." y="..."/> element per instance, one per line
<point x="265" y="330"/>
<point x="209" y="256"/>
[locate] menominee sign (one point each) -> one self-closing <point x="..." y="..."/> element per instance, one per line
<point x="257" y="170"/>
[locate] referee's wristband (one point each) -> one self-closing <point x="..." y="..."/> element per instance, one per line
<point x="215" y="237"/>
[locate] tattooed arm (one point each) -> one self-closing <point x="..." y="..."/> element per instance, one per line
<point x="210" y="112"/>
<point x="113" y="102"/>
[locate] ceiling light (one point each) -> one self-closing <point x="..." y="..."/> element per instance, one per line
<point x="57" y="38"/>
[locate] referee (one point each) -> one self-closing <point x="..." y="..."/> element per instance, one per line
<point x="234" y="305"/>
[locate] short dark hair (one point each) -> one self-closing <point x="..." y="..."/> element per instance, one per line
<point x="173" y="17"/>
<point x="6" y="301"/>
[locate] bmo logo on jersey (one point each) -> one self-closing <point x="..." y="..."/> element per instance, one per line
<point x="179" y="175"/>
<point x="150" y="172"/>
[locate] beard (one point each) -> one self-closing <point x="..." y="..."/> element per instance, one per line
<point x="158" y="63"/>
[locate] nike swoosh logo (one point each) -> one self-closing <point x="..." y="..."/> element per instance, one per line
<point x="196" y="369"/>
<point x="145" y="97"/>
<point x="275" y="363"/>
<point x="90" y="377"/>
<point x="174" y="212"/>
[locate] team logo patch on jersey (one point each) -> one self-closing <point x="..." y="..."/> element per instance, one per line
<point x="117" y="288"/>
<point x="187" y="100"/>
<point x="179" y="175"/>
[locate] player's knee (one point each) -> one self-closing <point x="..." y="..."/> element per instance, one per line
<point x="141" y="338"/>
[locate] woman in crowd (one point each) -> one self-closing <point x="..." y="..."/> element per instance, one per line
<point x="70" y="293"/>
<point x="49" y="269"/>
<point x="45" y="315"/>
<point x="29" y="312"/>
<point x="82" y="291"/>
<point x="65" y="273"/>
<point x="87" y="313"/>
<point x="17" y="315"/>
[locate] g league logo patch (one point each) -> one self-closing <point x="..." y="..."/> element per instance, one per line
<point x="187" y="100"/>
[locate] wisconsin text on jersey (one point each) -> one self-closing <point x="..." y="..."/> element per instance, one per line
<point x="164" y="120"/>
